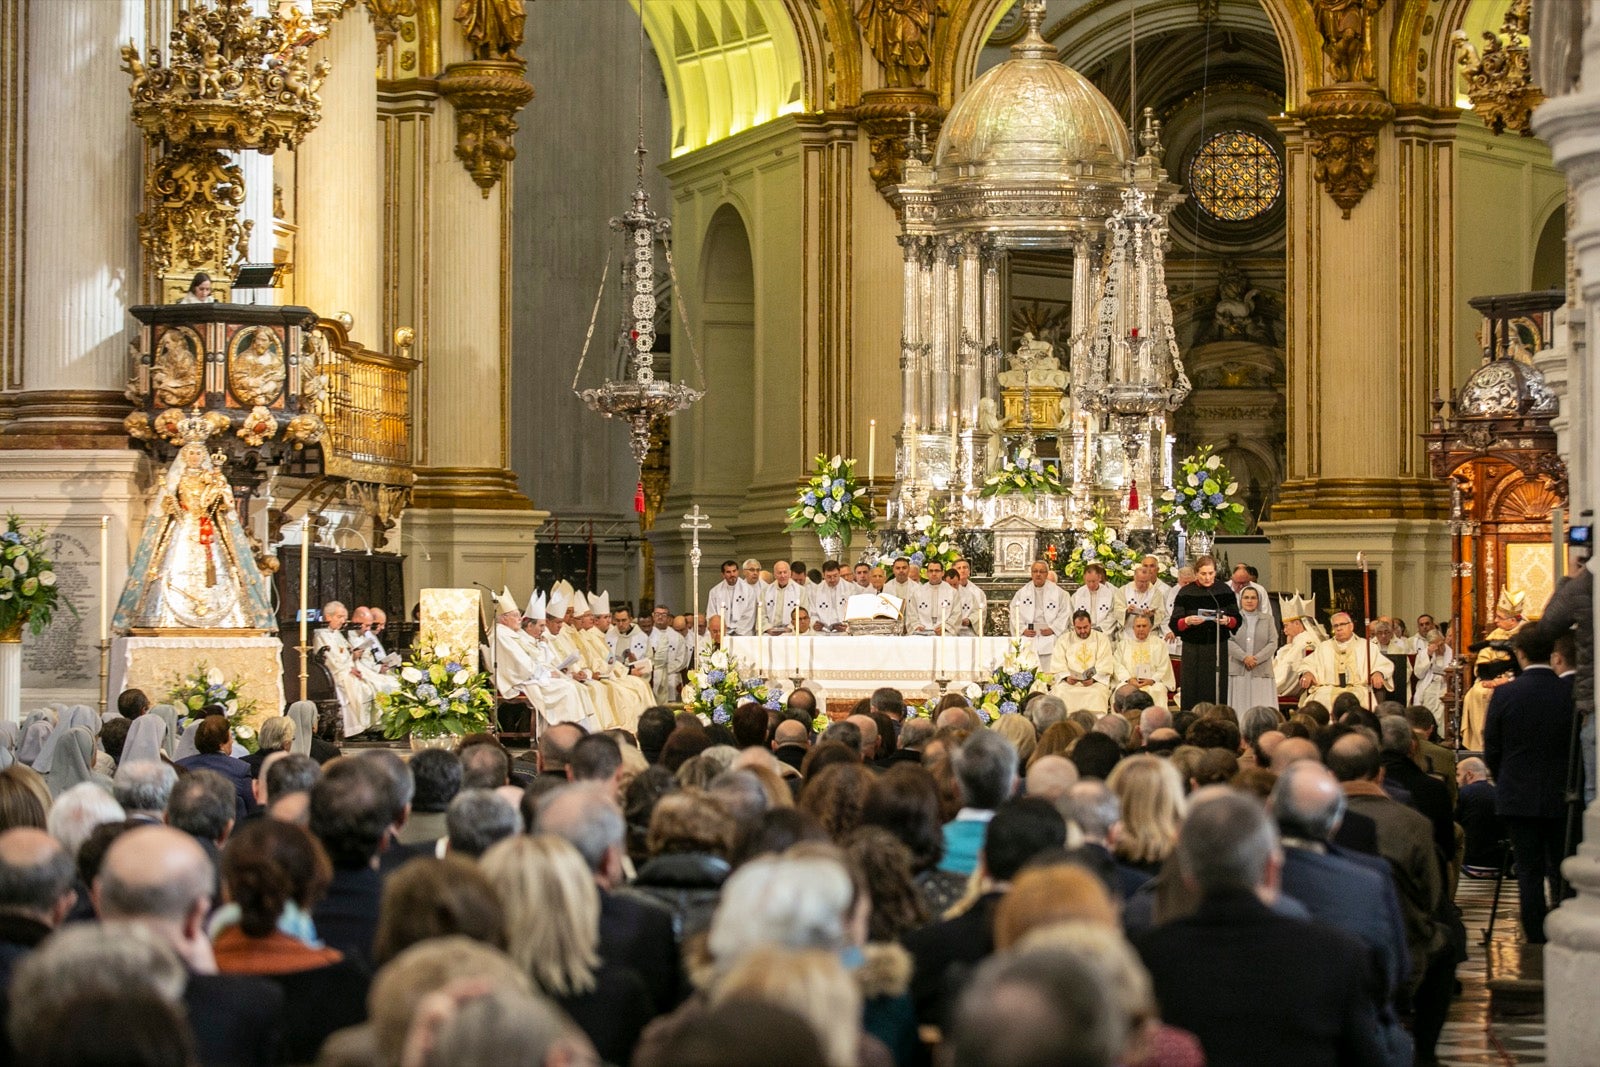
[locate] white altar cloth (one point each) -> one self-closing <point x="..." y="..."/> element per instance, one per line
<point x="853" y="667"/>
<point x="151" y="663"/>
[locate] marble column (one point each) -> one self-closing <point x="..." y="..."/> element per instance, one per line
<point x="1570" y="124"/>
<point x="341" y="227"/>
<point x="79" y="201"/>
<point x="468" y="520"/>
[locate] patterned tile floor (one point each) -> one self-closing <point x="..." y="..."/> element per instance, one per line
<point x="1472" y="1038"/>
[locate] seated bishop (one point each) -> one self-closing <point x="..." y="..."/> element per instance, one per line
<point x="629" y="693"/>
<point x="524" y="666"/>
<point x="1084" y="664"/>
<point x="562" y="637"/>
<point x="1341" y="664"/>
<point x="1301" y="636"/>
<point x="1144" y="663"/>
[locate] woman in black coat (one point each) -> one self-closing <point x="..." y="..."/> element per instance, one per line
<point x="1205" y="615"/>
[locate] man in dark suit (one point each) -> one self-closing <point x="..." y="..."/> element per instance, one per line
<point x="1325" y="985"/>
<point x="945" y="953"/>
<point x="1527" y="736"/>
<point x="36" y="893"/>
<point x="352" y="809"/>
<point x="633" y="932"/>
<point x="1340" y="889"/>
<point x="1397" y="752"/>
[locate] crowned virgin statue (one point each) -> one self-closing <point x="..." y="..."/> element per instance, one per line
<point x="193" y="569"/>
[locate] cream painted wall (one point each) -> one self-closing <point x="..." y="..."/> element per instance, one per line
<point x="1506" y="191"/>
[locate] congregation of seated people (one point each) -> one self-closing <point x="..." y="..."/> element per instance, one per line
<point x="1133" y="888"/>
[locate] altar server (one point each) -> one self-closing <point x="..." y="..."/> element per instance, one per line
<point x="1341" y="664"/>
<point x="1084" y="664"/>
<point x="1039" y="611"/>
<point x="1102" y="600"/>
<point x="1144" y="663"/>
<point x="1433" y="665"/>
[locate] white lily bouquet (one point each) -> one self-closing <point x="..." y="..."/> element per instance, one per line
<point x="832" y="503"/>
<point x="1027" y="474"/>
<point x="720" y="685"/>
<point x="1202" y="496"/>
<point x="438" y="695"/>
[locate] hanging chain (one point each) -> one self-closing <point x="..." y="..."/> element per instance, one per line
<point x="589" y="333"/>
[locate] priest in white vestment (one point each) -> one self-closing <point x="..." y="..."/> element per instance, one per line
<point x="933" y="606"/>
<point x="1433" y="665"/>
<point x="1084" y="663"/>
<point x="1144" y="663"/>
<point x="1341" y="665"/>
<point x="523" y="667"/>
<point x="830" y="600"/>
<point x="1145" y="596"/>
<point x="972" y="603"/>
<point x="1039" y="612"/>
<point x="1302" y="634"/>
<point x="631" y="643"/>
<point x="1102" y="600"/>
<point x="782" y="600"/>
<point x="351" y="680"/>
<point x="669" y="656"/>
<point x="735" y="600"/>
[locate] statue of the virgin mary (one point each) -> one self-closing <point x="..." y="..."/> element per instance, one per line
<point x="193" y="569"/>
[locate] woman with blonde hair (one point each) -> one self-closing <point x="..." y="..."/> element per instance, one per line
<point x="552" y="919"/>
<point x="1056" y="741"/>
<point x="813" y="984"/>
<point x="1151" y="794"/>
<point x="1020" y="732"/>
<point x="1041" y="896"/>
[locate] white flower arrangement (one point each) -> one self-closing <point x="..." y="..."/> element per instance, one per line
<point x="1027" y="475"/>
<point x="832" y="503"/>
<point x="28" y="590"/>
<point x="1202" y="497"/>
<point x="1100" y="545"/>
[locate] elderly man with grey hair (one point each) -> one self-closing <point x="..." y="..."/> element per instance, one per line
<point x="1345" y="890"/>
<point x="36" y="893"/>
<point x="869" y="736"/>
<point x="985" y="766"/>
<point x="476" y="819"/>
<point x="143" y="788"/>
<point x="1324" y="983"/>
<point x="632" y="927"/>
<point x="1050" y="777"/>
<point x="1045" y="711"/>
<point x="1115" y="727"/>
<point x="1037" y="1006"/>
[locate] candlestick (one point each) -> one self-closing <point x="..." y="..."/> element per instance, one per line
<point x="797" y="638"/>
<point x="305" y="574"/>
<point x="872" y="453"/>
<point x="105" y="577"/>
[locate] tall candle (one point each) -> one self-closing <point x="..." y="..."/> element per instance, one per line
<point x="797" y="639"/>
<point x="872" y="451"/>
<point x="305" y="575"/>
<point x="105" y="577"/>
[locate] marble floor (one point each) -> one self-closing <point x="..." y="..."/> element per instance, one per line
<point x="1472" y="1038"/>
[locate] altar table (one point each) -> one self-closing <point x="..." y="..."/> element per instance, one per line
<point x="154" y="663"/>
<point x="846" y="666"/>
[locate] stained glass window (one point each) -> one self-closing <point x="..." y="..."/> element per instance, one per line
<point x="1236" y="176"/>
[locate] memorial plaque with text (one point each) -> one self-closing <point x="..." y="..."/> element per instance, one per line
<point x="67" y="654"/>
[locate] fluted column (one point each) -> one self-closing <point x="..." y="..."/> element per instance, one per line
<point x="1570" y="124"/>
<point x="341" y="225"/>
<point x="80" y="200"/>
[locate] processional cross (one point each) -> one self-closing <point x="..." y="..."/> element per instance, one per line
<point x="695" y="520"/>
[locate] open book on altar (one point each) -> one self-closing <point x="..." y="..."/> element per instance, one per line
<point x="864" y="606"/>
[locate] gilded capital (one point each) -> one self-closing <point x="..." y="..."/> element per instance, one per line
<point x="894" y="119"/>
<point x="486" y="95"/>
<point x="1342" y="124"/>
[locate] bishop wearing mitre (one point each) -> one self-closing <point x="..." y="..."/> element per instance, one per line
<point x="1143" y="661"/>
<point x="523" y="665"/>
<point x="1301" y="636"/>
<point x="1345" y="663"/>
<point x="630" y="694"/>
<point x="1492" y="668"/>
<point x="569" y="656"/>
<point x="1084" y="664"/>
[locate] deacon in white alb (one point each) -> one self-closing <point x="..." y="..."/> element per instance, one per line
<point x="1341" y="665"/>
<point x="830" y="600"/>
<point x="1102" y="600"/>
<point x="1084" y="665"/>
<point x="1039" y="612"/>
<point x="934" y="603"/>
<point x="1143" y="662"/>
<point x="901" y="584"/>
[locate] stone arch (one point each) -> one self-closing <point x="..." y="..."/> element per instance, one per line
<point x="1550" y="251"/>
<point x="731" y="65"/>
<point x="726" y="313"/>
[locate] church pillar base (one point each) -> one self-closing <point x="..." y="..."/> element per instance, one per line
<point x="1409" y="558"/>
<point x="1572" y="958"/>
<point x="1362" y="498"/>
<point x="455" y="547"/>
<point x="66" y="419"/>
